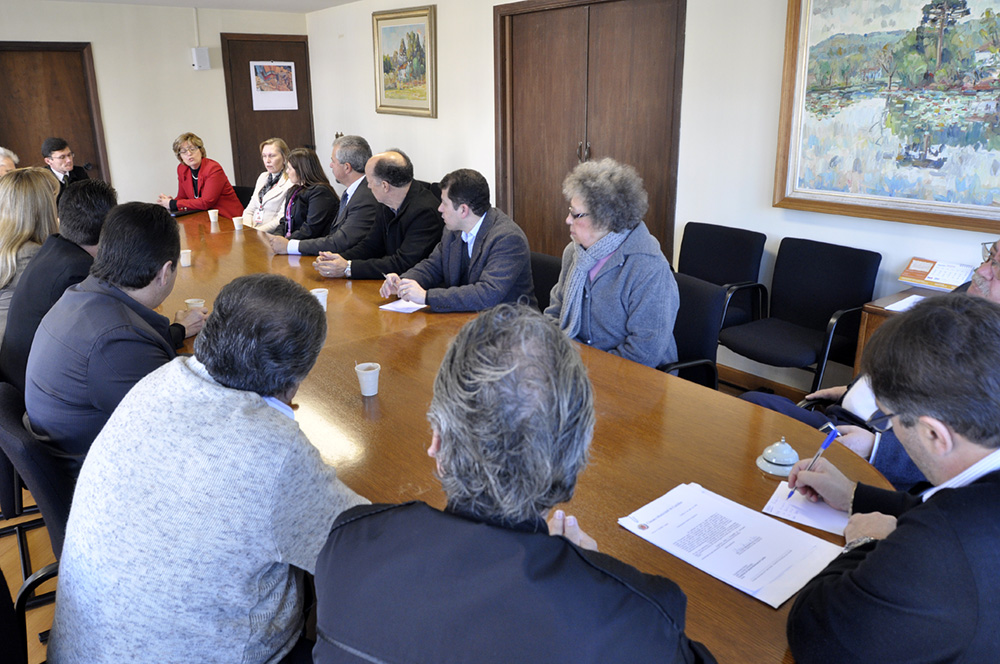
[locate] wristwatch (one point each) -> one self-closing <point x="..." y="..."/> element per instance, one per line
<point x="856" y="542"/>
<point x="347" y="270"/>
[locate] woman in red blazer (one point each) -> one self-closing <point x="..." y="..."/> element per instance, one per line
<point x="201" y="182"/>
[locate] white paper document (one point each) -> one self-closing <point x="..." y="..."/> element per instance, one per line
<point x="800" y="509"/>
<point x="905" y="303"/>
<point x="752" y="552"/>
<point x="402" y="306"/>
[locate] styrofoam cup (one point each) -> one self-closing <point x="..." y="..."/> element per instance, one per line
<point x="213" y="216"/>
<point x="368" y="377"/>
<point x="185" y="258"/>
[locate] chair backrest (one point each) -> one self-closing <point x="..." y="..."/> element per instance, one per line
<point x="48" y="486"/>
<point x="244" y="194"/>
<point x="544" y="274"/>
<point x="813" y="279"/>
<point x="9" y="485"/>
<point x="699" y="318"/>
<point x="720" y="254"/>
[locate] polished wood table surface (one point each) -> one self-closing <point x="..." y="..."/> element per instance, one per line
<point x="653" y="432"/>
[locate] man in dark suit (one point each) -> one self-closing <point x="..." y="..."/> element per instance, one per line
<point x="104" y="335"/>
<point x="486" y="580"/>
<point x="481" y="260"/>
<point x="358" y="206"/>
<point x="406" y="229"/>
<point x="59" y="157"/>
<point x="63" y="260"/>
<point x="919" y="577"/>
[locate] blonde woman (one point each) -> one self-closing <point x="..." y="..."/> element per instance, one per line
<point x="266" y="208"/>
<point x="27" y="218"/>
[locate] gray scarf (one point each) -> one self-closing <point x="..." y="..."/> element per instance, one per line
<point x="586" y="259"/>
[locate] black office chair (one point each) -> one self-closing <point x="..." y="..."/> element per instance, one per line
<point x="817" y="292"/>
<point x="244" y="194"/>
<point x="544" y="275"/>
<point x="49" y="487"/>
<point x="696" y="330"/>
<point x="729" y="257"/>
<point x="11" y="504"/>
<point x="13" y="625"/>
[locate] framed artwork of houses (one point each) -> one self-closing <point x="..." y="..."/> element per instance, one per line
<point x="406" y="61"/>
<point x="891" y="110"/>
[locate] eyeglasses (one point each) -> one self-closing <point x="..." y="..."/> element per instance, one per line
<point x="578" y="215"/>
<point x="880" y="422"/>
<point x="188" y="150"/>
<point x="63" y="157"/>
<point x="990" y="256"/>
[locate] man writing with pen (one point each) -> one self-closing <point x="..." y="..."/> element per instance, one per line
<point x="919" y="579"/>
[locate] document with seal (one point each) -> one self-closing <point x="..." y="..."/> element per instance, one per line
<point x="752" y="552"/>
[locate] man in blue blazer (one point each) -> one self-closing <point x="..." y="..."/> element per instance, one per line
<point x="482" y="259"/>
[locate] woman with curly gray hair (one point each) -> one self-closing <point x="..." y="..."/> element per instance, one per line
<point x="616" y="290"/>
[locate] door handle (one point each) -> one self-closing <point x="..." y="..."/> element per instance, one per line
<point x="579" y="153"/>
<point x="586" y="155"/>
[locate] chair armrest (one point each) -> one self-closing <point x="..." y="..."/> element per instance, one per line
<point x="835" y="319"/>
<point x="688" y="364"/>
<point x="760" y="310"/>
<point x="27" y="591"/>
<point x="812" y="404"/>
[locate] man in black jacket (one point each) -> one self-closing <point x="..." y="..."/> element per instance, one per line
<point x="487" y="580"/>
<point x="63" y="260"/>
<point x="407" y="229"/>
<point x="59" y="157"/>
<point x="919" y="578"/>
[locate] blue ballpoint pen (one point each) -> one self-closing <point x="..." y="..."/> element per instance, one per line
<point x="826" y="443"/>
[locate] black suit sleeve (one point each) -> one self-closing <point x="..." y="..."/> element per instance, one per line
<point x="422" y="233"/>
<point x="319" y="206"/>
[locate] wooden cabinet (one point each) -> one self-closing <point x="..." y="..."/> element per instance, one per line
<point x="581" y="80"/>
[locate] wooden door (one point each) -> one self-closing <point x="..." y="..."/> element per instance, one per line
<point x="633" y="107"/>
<point x="51" y="90"/>
<point x="247" y="127"/>
<point x="606" y="73"/>
<point x="548" y="119"/>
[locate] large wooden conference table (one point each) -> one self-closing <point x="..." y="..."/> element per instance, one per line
<point x="653" y="432"/>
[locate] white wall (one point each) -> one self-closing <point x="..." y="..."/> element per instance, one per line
<point x="341" y="55"/>
<point x="148" y="90"/>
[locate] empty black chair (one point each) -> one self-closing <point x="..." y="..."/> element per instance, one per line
<point x="817" y="292"/>
<point x="544" y="274"/>
<point x="729" y="257"/>
<point x="11" y="506"/>
<point x="244" y="194"/>
<point x="49" y="487"/>
<point x="696" y="330"/>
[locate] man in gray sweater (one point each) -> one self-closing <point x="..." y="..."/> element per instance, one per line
<point x="202" y="503"/>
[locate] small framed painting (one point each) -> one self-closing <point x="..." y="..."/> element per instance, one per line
<point x="406" y="61"/>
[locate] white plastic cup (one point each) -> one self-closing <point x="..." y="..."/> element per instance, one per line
<point x="185" y="258"/>
<point x="213" y="216"/>
<point x="368" y="377"/>
<point x="237" y="223"/>
<point x="321" y="295"/>
<point x="195" y="303"/>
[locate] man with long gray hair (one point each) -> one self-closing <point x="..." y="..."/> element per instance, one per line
<point x="512" y="418"/>
<point x="202" y="502"/>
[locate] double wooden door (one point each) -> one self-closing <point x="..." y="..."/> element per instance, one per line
<point x="579" y="80"/>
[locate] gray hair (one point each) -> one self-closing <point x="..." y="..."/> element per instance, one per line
<point x="9" y="154"/>
<point x="514" y="410"/>
<point x="353" y="150"/>
<point x="612" y="192"/>
<point x="263" y="335"/>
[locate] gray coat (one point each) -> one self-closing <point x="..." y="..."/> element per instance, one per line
<point x="499" y="270"/>
<point x="630" y="306"/>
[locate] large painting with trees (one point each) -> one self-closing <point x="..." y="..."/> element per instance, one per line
<point x="891" y="110"/>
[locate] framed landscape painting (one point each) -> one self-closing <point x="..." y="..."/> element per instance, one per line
<point x="890" y="109"/>
<point x="406" y="61"/>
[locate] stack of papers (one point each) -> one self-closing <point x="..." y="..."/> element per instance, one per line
<point x="750" y="551"/>
<point x="402" y="306"/>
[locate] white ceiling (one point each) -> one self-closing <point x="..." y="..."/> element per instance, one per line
<point x="293" y="6"/>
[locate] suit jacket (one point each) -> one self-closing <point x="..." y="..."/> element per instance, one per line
<point x="410" y="583"/>
<point x="352" y="225"/>
<point x="499" y="269"/>
<point x="58" y="265"/>
<point x="214" y="191"/>
<point x="92" y="346"/>
<point x="272" y="208"/>
<point x="313" y="211"/>
<point x="400" y="240"/>
<point x="926" y="593"/>
<point x="78" y="173"/>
